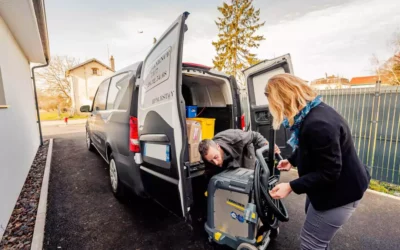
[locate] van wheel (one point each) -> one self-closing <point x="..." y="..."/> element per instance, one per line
<point x="116" y="185"/>
<point x="246" y="246"/>
<point x="89" y="144"/>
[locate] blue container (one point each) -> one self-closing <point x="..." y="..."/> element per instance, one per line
<point x="191" y="111"/>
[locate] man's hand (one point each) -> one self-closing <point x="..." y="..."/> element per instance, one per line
<point x="284" y="165"/>
<point x="280" y="191"/>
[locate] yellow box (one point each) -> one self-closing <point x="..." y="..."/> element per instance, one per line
<point x="207" y="127"/>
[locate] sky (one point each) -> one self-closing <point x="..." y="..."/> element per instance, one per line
<point x="323" y="37"/>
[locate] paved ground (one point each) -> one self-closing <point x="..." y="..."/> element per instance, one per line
<point x="83" y="214"/>
<point x="59" y="129"/>
<point x="61" y="122"/>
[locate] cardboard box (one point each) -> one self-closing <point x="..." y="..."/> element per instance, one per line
<point x="194" y="154"/>
<point x="193" y="131"/>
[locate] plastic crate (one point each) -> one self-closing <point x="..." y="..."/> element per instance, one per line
<point x="207" y="127"/>
<point x="191" y="111"/>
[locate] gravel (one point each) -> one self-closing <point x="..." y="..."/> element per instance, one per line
<point x="19" y="231"/>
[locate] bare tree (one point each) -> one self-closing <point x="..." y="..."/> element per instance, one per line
<point x="389" y="70"/>
<point x="51" y="103"/>
<point x="55" y="83"/>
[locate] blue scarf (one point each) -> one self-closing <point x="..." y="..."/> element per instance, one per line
<point x="298" y="119"/>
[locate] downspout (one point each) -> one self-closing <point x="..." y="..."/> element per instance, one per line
<point x="36" y="99"/>
<point x="40" y="12"/>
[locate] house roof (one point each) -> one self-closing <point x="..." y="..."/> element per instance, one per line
<point x="365" y="80"/>
<point x="89" y="61"/>
<point x="26" y="19"/>
<point x="330" y="80"/>
<point x="40" y="12"/>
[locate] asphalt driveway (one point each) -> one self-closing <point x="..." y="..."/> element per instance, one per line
<point x="83" y="213"/>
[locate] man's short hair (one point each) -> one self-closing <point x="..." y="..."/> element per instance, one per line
<point x="204" y="145"/>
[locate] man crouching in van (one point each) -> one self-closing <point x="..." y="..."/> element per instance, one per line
<point x="233" y="148"/>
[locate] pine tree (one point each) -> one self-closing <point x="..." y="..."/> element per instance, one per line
<point x="237" y="28"/>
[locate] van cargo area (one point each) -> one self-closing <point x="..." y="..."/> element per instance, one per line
<point x="209" y="101"/>
<point x="212" y="95"/>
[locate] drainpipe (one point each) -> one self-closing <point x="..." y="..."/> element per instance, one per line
<point x="36" y="98"/>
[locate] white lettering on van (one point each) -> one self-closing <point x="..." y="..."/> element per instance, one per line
<point x="159" y="70"/>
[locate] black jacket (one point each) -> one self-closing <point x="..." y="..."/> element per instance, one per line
<point x="330" y="172"/>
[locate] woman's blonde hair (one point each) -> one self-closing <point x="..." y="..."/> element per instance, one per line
<point x="287" y="95"/>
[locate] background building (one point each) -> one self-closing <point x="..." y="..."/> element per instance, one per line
<point x="367" y="81"/>
<point x="85" y="78"/>
<point x="330" y="82"/>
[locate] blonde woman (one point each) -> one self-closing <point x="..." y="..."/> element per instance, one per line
<point x="330" y="172"/>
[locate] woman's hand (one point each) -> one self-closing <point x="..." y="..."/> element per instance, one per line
<point x="284" y="165"/>
<point x="277" y="149"/>
<point x="280" y="191"/>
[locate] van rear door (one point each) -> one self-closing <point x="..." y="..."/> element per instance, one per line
<point x="161" y="120"/>
<point x="256" y="78"/>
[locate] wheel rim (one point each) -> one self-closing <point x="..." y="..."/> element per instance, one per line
<point x="113" y="175"/>
<point x="246" y="246"/>
<point x="88" y="140"/>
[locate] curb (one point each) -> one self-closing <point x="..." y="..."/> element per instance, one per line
<point x="38" y="232"/>
<point x="383" y="194"/>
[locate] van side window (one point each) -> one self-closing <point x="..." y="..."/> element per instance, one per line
<point x="125" y="97"/>
<point x="117" y="89"/>
<point x="101" y="96"/>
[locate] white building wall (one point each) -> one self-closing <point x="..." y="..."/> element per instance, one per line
<point x="86" y="84"/>
<point x="329" y="86"/>
<point x="19" y="135"/>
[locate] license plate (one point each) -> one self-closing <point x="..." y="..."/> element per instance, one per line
<point x="157" y="151"/>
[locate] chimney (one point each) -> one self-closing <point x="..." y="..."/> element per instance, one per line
<point x="112" y="63"/>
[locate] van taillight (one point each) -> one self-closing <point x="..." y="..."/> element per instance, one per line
<point x="133" y="135"/>
<point x="242" y="123"/>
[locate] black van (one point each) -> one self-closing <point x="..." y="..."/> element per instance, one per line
<point x="138" y="118"/>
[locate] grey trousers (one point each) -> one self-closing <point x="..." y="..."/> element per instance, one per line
<point x="321" y="226"/>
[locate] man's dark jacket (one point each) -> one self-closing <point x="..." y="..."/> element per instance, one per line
<point x="240" y="147"/>
<point x="331" y="174"/>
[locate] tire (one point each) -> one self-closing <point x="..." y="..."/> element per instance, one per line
<point x="246" y="246"/>
<point x="89" y="143"/>
<point x="115" y="183"/>
<point x="274" y="233"/>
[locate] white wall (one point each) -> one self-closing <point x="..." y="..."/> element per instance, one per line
<point x="19" y="136"/>
<point x="329" y="86"/>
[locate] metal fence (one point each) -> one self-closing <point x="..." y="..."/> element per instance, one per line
<point x="373" y="115"/>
